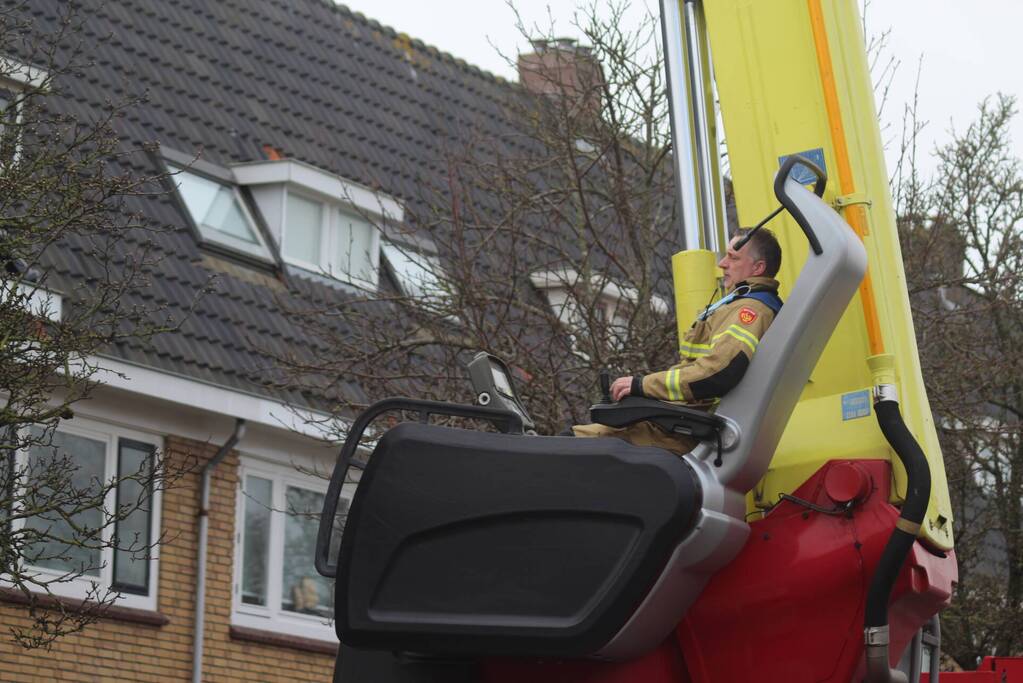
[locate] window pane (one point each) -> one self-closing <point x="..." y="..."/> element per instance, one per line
<point x="68" y="472"/>
<point x="131" y="554"/>
<point x="225" y="215"/>
<point x="352" y="256"/>
<point x="303" y="590"/>
<point x="256" y="539"/>
<point x="304" y="231"/>
<point x="214" y="207"/>
<point x="417" y="273"/>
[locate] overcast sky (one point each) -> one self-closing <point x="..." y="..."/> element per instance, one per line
<point x="970" y="50"/>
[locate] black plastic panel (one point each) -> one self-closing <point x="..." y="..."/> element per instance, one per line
<point x="366" y="666"/>
<point x="468" y="543"/>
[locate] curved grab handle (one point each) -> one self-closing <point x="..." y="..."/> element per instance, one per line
<point x="786" y="201"/>
<point x="506" y="421"/>
<point x="786" y="169"/>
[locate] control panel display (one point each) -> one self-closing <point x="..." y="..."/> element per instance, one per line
<point x="492" y="383"/>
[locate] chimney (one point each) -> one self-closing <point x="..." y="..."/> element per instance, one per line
<point x="561" y="68"/>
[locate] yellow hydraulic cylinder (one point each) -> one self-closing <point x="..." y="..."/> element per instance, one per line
<point x="695" y="274"/>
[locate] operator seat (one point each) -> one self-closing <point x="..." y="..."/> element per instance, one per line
<point x="757" y="411"/>
<point x="463" y="543"/>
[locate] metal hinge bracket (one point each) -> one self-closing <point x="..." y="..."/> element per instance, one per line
<point x="853" y="199"/>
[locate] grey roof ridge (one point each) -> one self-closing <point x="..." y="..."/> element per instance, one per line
<point x="418" y="43"/>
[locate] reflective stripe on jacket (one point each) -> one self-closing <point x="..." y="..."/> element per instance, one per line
<point x="715" y="352"/>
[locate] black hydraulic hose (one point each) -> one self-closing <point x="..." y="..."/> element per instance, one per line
<point x="907" y="527"/>
<point x="918" y="493"/>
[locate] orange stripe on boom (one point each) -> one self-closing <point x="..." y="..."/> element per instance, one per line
<point x="854" y="215"/>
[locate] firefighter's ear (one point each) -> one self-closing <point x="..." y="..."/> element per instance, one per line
<point x="759" y="267"/>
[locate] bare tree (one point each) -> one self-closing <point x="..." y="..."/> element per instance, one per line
<point x="66" y="194"/>
<point x="544" y="237"/>
<point x="962" y="237"/>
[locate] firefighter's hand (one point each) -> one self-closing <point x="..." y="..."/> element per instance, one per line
<point x="620" y="388"/>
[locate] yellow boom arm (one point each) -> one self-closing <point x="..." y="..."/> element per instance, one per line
<point x="792" y="78"/>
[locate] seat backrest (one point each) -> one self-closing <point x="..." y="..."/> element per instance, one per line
<point x="763" y="401"/>
<point x="759" y="407"/>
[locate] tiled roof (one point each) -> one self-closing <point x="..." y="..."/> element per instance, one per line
<point x="308" y="77"/>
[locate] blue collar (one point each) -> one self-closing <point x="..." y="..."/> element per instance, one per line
<point x="737" y="293"/>
<point x="769" y="298"/>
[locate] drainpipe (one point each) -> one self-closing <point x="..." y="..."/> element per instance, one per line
<point x="204" y="523"/>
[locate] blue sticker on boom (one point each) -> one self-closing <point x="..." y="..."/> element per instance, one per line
<point x="855" y="405"/>
<point x="801" y="174"/>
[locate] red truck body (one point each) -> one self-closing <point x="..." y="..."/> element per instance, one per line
<point x="801" y="577"/>
<point x="991" y="670"/>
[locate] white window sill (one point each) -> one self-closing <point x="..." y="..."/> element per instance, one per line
<point x="299" y="626"/>
<point x="118" y="611"/>
<point x="320" y="275"/>
<point x="84" y="588"/>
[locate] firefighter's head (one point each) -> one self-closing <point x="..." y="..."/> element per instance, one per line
<point x="761" y="256"/>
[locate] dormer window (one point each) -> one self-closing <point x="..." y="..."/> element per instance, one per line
<point x="326" y="225"/>
<point x="219" y="214"/>
<point x="609" y="308"/>
<point x="324" y="238"/>
<point x="317" y="223"/>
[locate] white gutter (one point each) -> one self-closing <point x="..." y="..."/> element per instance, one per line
<point x="204" y="523"/>
<point x="213" y="398"/>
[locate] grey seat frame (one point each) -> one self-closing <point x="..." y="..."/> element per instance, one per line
<point x="757" y="411"/>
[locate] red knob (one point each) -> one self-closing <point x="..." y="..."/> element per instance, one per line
<point x="846" y="481"/>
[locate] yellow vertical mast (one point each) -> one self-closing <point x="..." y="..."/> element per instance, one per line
<point x="792" y="78"/>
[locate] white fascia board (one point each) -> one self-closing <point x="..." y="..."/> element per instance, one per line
<point x="197" y="394"/>
<point x="26" y="75"/>
<point x="43" y="303"/>
<point x="325" y="183"/>
<point x="553" y="279"/>
<point x="38" y="301"/>
<point x="631" y="294"/>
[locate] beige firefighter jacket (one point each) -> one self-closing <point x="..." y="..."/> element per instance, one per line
<point x="714" y="355"/>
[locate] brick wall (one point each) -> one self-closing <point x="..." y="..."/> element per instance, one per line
<point x="115" y="649"/>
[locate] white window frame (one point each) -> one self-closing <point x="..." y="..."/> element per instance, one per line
<point x="330" y="239"/>
<point x="271" y="617"/>
<point x="429" y="262"/>
<point x="18" y="79"/>
<point x="15" y="89"/>
<point x="325" y="229"/>
<point x="222" y="239"/>
<point x="80" y="587"/>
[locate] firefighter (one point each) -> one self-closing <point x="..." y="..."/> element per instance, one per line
<point x="716" y="350"/>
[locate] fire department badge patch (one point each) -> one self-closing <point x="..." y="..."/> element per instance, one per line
<point x="747" y="315"/>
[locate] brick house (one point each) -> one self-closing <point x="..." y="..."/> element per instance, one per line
<point x="290" y="122"/>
